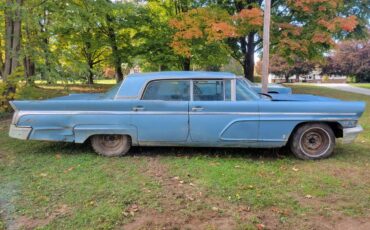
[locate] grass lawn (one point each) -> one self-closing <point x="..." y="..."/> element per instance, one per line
<point x="67" y="186"/>
<point x="362" y="85"/>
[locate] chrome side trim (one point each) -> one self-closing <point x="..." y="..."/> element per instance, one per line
<point x="269" y="113"/>
<point x="79" y="112"/>
<point x="350" y="134"/>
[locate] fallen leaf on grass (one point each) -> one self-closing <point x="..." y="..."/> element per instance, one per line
<point x="237" y="166"/>
<point x="308" y="196"/>
<point x="245" y="209"/>
<point x="215" y="209"/>
<point x="260" y="226"/>
<point x="131" y="210"/>
<point x="43" y="174"/>
<point x="58" y="156"/>
<point x="295" y="169"/>
<point x="69" y="169"/>
<point x="190" y="198"/>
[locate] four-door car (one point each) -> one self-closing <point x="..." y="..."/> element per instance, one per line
<point x="200" y="109"/>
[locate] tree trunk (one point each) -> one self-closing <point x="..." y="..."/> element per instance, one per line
<point x="45" y="72"/>
<point x="115" y="51"/>
<point x="90" y="77"/>
<point x="186" y="64"/>
<point x="29" y="69"/>
<point x="1" y="61"/>
<point x="286" y="78"/>
<point x="247" y="48"/>
<point x="12" y="37"/>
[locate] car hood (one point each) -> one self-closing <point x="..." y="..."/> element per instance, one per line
<point x="272" y="85"/>
<point x="300" y="97"/>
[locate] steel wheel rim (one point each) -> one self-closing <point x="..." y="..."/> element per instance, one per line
<point x="111" y="142"/>
<point x="315" y="142"/>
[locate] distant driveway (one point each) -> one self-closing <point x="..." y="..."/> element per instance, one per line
<point x="347" y="88"/>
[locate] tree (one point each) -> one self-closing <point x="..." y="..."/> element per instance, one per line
<point x="303" y="28"/>
<point x="81" y="37"/>
<point x="350" y="58"/>
<point x="199" y="33"/>
<point x="13" y="22"/>
<point x="155" y="35"/>
<point x="281" y="67"/>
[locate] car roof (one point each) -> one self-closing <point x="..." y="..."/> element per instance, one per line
<point x="183" y="75"/>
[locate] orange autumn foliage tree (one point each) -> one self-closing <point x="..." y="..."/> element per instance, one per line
<point x="312" y="32"/>
<point x="200" y="29"/>
<point x="303" y="29"/>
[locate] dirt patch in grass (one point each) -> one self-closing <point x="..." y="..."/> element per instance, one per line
<point x="336" y="222"/>
<point x="181" y="204"/>
<point x="325" y="214"/>
<point x="186" y="205"/>
<point x="24" y="222"/>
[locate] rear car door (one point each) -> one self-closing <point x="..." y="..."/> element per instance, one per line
<point x="161" y="114"/>
<point x="222" y="110"/>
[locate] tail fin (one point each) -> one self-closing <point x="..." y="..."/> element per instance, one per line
<point x="12" y="104"/>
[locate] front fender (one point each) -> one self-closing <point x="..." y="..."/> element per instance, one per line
<point x="83" y="132"/>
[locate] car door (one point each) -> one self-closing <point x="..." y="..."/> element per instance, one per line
<point x="223" y="110"/>
<point x="161" y="114"/>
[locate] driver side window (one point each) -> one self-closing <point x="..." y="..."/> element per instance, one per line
<point x="212" y="90"/>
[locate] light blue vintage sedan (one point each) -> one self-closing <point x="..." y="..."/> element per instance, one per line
<point x="202" y="109"/>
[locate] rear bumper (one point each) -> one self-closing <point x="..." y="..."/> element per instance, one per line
<point x="350" y="134"/>
<point x="19" y="132"/>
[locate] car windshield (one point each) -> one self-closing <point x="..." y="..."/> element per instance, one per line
<point x="249" y="83"/>
<point x="244" y="88"/>
<point x="113" y="91"/>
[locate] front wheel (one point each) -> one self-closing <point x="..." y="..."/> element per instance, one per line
<point x="313" y="141"/>
<point x="111" y="145"/>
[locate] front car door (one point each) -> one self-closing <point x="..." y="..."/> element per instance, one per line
<point x="222" y="112"/>
<point x="161" y="114"/>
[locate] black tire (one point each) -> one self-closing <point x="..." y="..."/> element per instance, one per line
<point x="111" y="145"/>
<point x="313" y="141"/>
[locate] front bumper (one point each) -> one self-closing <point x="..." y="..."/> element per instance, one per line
<point x="19" y="132"/>
<point x="350" y="134"/>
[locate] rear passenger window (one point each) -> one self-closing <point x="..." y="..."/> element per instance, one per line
<point x="208" y="90"/>
<point x="167" y="90"/>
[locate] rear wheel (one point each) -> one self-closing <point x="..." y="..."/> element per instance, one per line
<point x="313" y="141"/>
<point x="111" y="145"/>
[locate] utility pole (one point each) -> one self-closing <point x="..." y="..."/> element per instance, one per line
<point x="266" y="45"/>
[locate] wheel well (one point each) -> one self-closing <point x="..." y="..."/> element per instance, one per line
<point x="89" y="138"/>
<point x="335" y="126"/>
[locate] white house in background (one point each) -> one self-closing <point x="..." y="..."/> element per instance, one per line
<point x="314" y="77"/>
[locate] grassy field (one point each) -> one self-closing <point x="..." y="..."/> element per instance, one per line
<point x="362" y="85"/>
<point x="67" y="186"/>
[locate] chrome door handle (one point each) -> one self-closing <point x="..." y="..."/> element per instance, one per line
<point x="138" y="108"/>
<point x="197" y="109"/>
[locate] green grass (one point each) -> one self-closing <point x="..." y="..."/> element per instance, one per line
<point x="38" y="178"/>
<point x="362" y="85"/>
